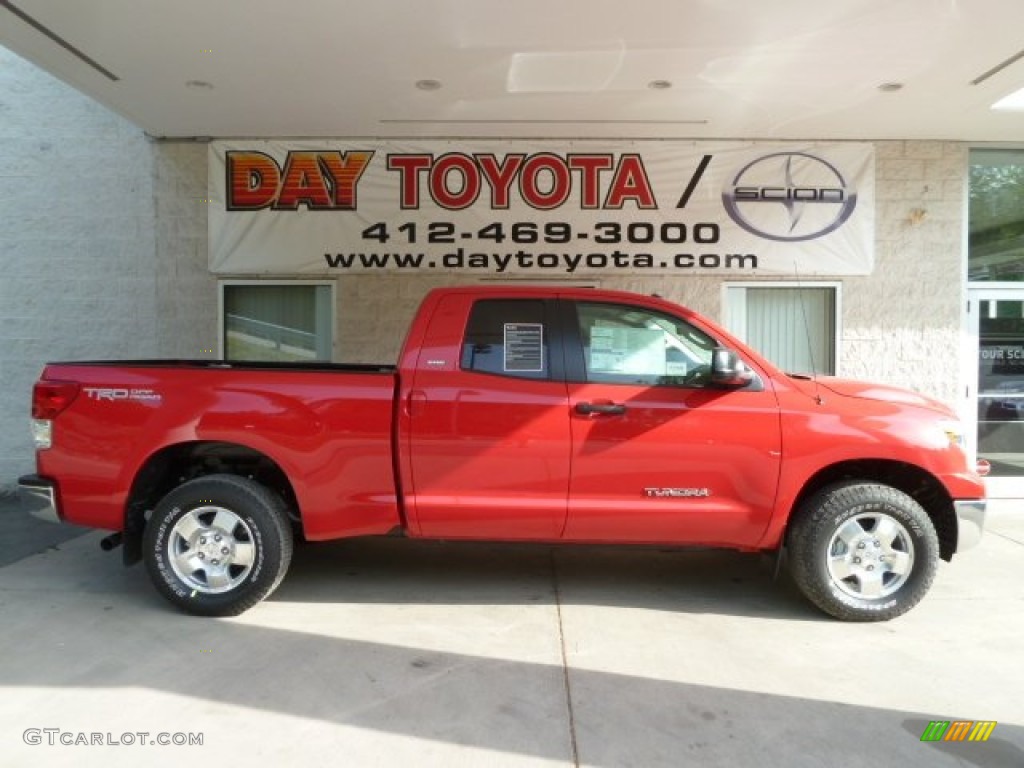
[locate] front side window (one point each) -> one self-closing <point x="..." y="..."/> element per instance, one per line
<point x="507" y="337"/>
<point x="629" y="345"/>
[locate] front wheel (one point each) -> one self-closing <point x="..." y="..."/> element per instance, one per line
<point x="863" y="551"/>
<point x="217" y="545"/>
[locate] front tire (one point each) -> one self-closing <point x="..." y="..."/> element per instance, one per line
<point x="217" y="545"/>
<point x="863" y="551"/>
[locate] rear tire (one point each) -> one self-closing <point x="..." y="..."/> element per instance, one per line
<point x="863" y="551"/>
<point x="217" y="545"/>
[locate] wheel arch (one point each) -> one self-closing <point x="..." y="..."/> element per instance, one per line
<point x="175" y="464"/>
<point x="917" y="483"/>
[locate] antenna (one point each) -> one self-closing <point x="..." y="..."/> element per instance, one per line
<point x="807" y="334"/>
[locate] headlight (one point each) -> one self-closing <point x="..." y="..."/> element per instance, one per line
<point x="954" y="432"/>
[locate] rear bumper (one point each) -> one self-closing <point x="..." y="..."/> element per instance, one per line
<point x="41" y="496"/>
<point x="970" y="522"/>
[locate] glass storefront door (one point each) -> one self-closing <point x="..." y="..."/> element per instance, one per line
<point x="997" y="325"/>
<point x="995" y="351"/>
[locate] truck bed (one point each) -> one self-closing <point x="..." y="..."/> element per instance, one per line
<point x="239" y="365"/>
<point x="327" y="423"/>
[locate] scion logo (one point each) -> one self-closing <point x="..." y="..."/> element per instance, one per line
<point x="789" y="197"/>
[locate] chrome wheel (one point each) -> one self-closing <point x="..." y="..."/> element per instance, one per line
<point x="870" y="556"/>
<point x="862" y="551"/>
<point x="218" y="544"/>
<point x="211" y="549"/>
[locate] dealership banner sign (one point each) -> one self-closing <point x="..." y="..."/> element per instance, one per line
<point x="553" y="208"/>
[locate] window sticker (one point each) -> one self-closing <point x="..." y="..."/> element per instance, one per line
<point x="524" y="347"/>
<point x="627" y="350"/>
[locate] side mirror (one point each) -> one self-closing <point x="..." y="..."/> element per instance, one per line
<point x="728" y="371"/>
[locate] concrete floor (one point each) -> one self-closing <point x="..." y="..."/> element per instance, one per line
<point x="398" y="653"/>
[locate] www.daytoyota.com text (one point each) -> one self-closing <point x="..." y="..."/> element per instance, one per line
<point x="668" y="236"/>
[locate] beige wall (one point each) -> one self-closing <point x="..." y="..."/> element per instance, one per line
<point x="118" y="267"/>
<point x="103" y="245"/>
<point x="900" y="325"/>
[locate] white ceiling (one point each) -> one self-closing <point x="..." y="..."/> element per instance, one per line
<point x="793" y="69"/>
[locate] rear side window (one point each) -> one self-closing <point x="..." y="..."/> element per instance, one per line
<point x="508" y="337"/>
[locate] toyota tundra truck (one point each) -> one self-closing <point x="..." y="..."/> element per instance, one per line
<point x="526" y="414"/>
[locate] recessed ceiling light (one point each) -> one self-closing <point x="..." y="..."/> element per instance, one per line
<point x="199" y="85"/>
<point x="428" y="85"/>
<point x="659" y="85"/>
<point x="890" y="87"/>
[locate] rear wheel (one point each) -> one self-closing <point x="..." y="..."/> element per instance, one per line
<point x="863" y="551"/>
<point x="217" y="545"/>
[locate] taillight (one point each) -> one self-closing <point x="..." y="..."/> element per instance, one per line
<point x="49" y="398"/>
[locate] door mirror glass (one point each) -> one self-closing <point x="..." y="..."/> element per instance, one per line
<point x="728" y="371"/>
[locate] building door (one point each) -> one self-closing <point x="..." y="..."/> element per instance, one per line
<point x="996" y="324"/>
<point x="995" y="352"/>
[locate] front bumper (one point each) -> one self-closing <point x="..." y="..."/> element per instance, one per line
<point x="970" y="522"/>
<point x="41" y="495"/>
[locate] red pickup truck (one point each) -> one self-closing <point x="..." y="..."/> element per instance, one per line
<point x="516" y="414"/>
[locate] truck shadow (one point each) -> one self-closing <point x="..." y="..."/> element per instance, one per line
<point x="22" y="535"/>
<point x="395" y="570"/>
<point x="415" y="703"/>
<point x="89" y="646"/>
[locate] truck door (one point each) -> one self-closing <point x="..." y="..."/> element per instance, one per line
<point x="486" y="422"/>
<point x="657" y="454"/>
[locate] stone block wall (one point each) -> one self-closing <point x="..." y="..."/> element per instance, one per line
<point x="102" y="243"/>
<point x="902" y="324"/>
<point x="103" y="254"/>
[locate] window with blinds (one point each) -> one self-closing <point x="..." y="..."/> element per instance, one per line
<point x="795" y="327"/>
